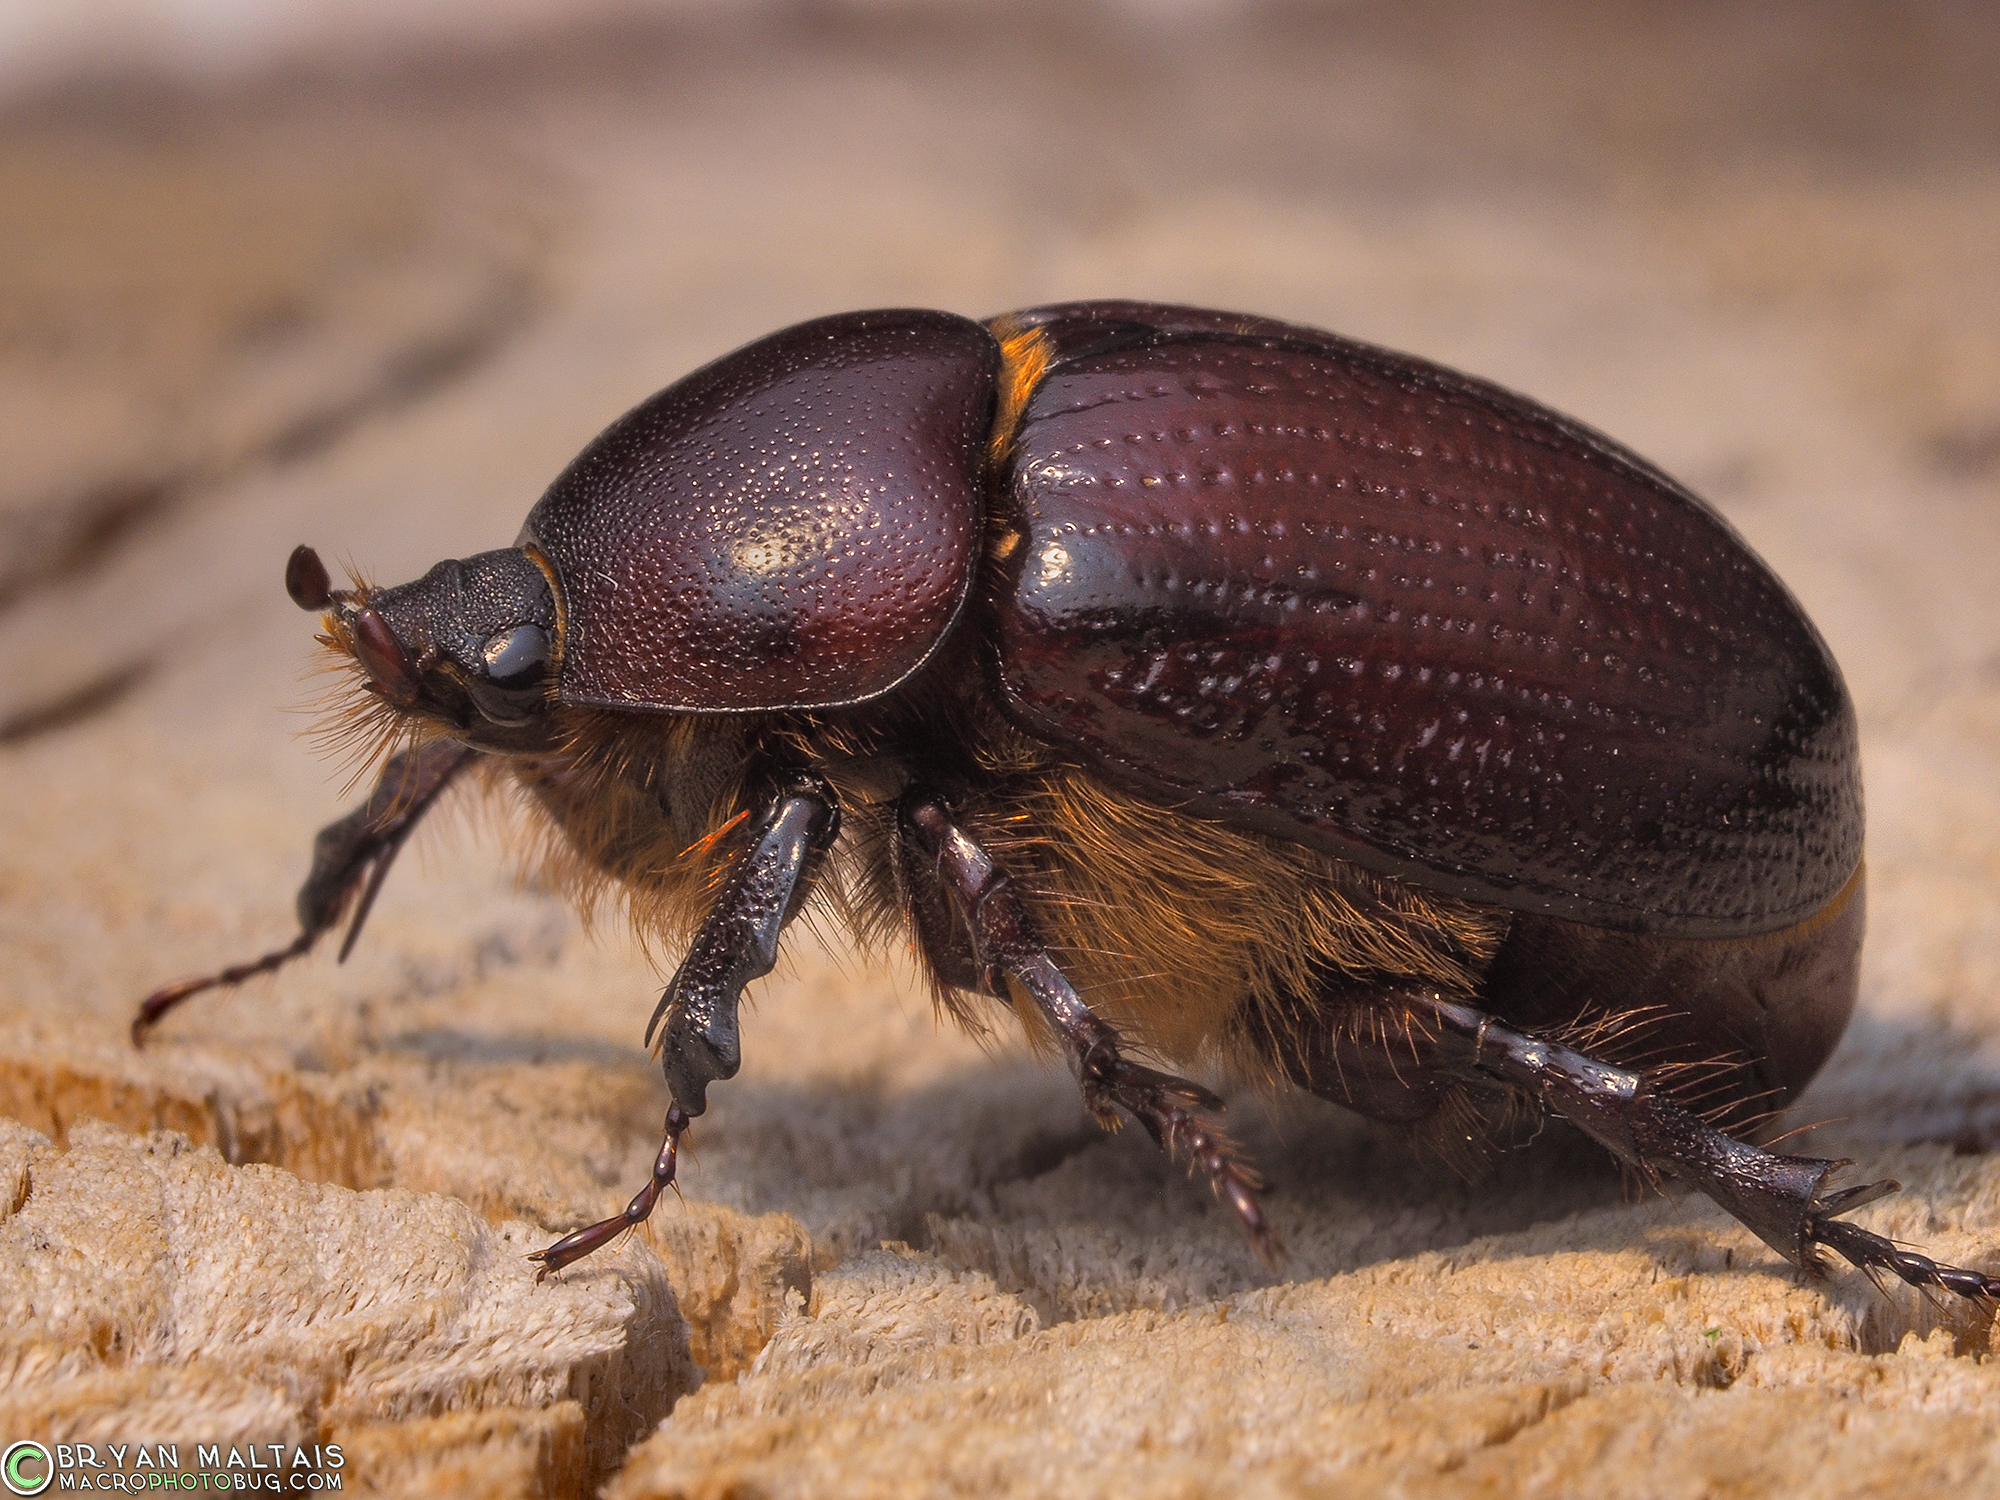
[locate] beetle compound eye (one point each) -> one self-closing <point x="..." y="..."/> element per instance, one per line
<point x="516" y="661"/>
<point x="515" y="658"/>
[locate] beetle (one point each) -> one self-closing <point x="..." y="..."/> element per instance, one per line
<point x="1210" y="687"/>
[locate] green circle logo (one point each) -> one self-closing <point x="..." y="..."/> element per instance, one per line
<point x="26" y="1468"/>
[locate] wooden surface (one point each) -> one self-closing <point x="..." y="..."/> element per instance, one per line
<point x="378" y="309"/>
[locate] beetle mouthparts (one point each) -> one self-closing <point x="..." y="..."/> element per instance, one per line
<point x="383" y="658"/>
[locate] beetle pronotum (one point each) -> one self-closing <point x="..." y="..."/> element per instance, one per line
<point x="1426" y="748"/>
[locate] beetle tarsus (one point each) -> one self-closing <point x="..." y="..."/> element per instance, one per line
<point x="1178" y="1114"/>
<point x="738" y="940"/>
<point x="351" y="856"/>
<point x="574" y="1246"/>
<point x="1174" y="1111"/>
<point x="1873" y="1254"/>
<point x="157" y="1004"/>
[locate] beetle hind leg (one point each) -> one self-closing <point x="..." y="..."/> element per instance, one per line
<point x="1784" y="1199"/>
<point x="1176" y="1113"/>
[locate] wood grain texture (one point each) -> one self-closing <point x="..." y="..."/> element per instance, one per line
<point x="1753" y="241"/>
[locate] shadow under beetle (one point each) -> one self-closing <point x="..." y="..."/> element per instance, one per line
<point x="1207" y="685"/>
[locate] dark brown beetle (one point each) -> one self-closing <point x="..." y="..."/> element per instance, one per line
<point x="1207" y="683"/>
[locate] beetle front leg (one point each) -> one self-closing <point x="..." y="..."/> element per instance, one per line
<point x="697" y="1015"/>
<point x="1173" y="1110"/>
<point x="738" y="940"/>
<point x="351" y="859"/>
<point x="1783" y="1199"/>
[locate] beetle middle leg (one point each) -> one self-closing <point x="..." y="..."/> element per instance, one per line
<point x="1174" y="1111"/>
<point x="697" y="1015"/>
<point x="1784" y="1199"/>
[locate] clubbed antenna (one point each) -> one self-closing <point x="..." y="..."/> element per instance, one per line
<point x="306" y="579"/>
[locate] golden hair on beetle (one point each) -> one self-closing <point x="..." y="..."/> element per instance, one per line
<point x="1170" y="927"/>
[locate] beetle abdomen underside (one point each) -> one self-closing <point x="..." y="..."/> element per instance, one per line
<point x="1353" y="599"/>
<point x="1769" y="1008"/>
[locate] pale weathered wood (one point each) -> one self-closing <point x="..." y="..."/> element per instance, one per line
<point x="1755" y="243"/>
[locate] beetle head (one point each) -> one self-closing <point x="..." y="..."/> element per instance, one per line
<point x="472" y="642"/>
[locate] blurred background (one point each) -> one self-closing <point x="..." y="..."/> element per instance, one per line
<point x="367" y="274"/>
